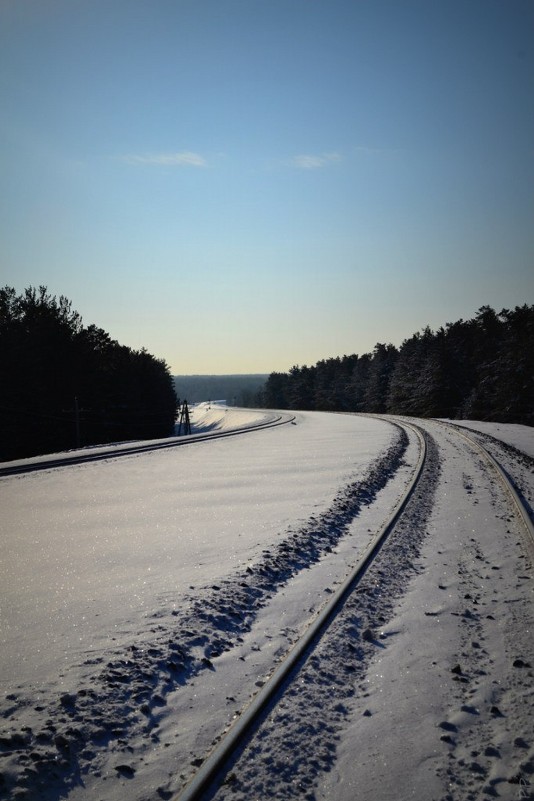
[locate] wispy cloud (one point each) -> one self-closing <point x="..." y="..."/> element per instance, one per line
<point x="184" y="158"/>
<point x="314" y="162"/>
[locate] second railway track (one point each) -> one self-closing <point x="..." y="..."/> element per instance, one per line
<point x="517" y="501"/>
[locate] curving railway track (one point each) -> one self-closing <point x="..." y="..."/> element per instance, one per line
<point x="124" y="449"/>
<point x="213" y="767"/>
<point x="219" y="774"/>
<point x="518" y="501"/>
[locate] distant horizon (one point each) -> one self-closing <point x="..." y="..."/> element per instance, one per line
<point x="217" y="375"/>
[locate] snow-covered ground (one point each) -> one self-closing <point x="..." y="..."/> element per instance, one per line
<point x="521" y="437"/>
<point x="216" y="416"/>
<point x="144" y="598"/>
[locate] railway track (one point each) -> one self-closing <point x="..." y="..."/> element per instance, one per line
<point x="212" y="770"/>
<point x="215" y="767"/>
<point x="504" y="479"/>
<point x="132" y="450"/>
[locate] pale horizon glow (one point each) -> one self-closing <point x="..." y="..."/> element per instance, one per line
<point x="242" y="187"/>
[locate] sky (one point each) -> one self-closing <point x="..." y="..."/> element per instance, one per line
<point x="240" y="186"/>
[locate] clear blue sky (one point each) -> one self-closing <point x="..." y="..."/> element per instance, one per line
<point x="245" y="185"/>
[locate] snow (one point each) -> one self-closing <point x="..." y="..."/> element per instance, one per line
<point x="204" y="417"/>
<point x="103" y="537"/>
<point x="518" y="436"/>
<point x="145" y="597"/>
<point x="216" y="416"/>
<point x="470" y="607"/>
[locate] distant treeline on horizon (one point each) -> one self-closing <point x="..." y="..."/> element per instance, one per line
<point x="236" y="390"/>
<point x="479" y="369"/>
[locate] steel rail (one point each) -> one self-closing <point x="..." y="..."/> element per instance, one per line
<point x="517" y="501"/>
<point x="211" y="771"/>
<point x="111" y="453"/>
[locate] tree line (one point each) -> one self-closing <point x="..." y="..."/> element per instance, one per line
<point x="481" y="368"/>
<point x="63" y="385"/>
<point x="236" y="390"/>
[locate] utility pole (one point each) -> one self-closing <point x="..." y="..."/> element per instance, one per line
<point x="77" y="427"/>
<point x="184" y="419"/>
<point x="77" y="421"/>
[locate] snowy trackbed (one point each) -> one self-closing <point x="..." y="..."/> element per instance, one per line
<point x="96" y="454"/>
<point x="353" y="612"/>
<point x="267" y="682"/>
<point x="48" y="745"/>
<point x="215" y="767"/>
